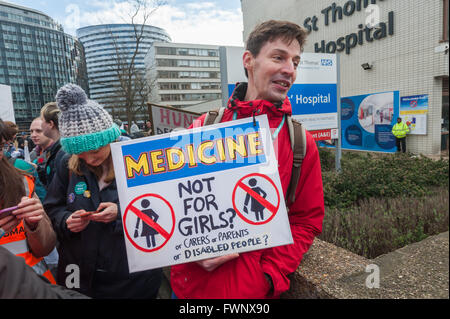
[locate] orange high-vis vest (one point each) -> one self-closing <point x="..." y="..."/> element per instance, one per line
<point x="16" y="241"/>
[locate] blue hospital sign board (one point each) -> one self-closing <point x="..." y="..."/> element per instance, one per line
<point x="367" y="121"/>
<point x="200" y="193"/>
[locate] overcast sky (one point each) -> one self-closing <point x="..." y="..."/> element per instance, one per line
<point x="217" y="22"/>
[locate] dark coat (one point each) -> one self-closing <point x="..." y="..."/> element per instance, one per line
<point x="46" y="169"/>
<point x="98" y="250"/>
<point x="19" y="281"/>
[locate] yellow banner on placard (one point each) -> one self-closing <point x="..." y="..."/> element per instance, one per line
<point x="414" y="112"/>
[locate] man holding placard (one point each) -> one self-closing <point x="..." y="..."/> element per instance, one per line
<point x="271" y="58"/>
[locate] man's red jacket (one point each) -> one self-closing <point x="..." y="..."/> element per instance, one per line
<point x="244" y="277"/>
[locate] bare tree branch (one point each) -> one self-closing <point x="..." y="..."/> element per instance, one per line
<point x="132" y="84"/>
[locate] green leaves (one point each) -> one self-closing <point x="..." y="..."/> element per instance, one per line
<point x="366" y="175"/>
<point x="381" y="202"/>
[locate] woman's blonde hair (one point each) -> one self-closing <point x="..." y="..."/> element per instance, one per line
<point x="75" y="166"/>
<point x="50" y="112"/>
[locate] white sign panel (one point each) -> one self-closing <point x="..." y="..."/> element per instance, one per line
<point x="414" y="111"/>
<point x="200" y="193"/>
<point x="6" y="104"/>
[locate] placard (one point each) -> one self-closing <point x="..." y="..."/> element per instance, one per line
<point x="200" y="193"/>
<point x="165" y="118"/>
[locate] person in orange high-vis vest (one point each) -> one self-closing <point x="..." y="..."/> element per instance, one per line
<point x="25" y="231"/>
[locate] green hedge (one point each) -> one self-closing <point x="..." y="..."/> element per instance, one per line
<point x="381" y="202"/>
<point x="381" y="225"/>
<point x="366" y="175"/>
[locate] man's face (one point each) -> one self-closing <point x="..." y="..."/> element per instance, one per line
<point x="399" y="120"/>
<point x="36" y="133"/>
<point x="273" y="71"/>
<point x="46" y="127"/>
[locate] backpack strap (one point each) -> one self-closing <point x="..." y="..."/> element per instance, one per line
<point x="298" y="144"/>
<point x="213" y="117"/>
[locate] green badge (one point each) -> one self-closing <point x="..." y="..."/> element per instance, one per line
<point x="80" y="188"/>
<point x="48" y="170"/>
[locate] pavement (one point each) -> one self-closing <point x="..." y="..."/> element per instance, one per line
<point x="416" y="271"/>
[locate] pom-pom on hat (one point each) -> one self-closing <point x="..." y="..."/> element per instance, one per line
<point x="84" y="125"/>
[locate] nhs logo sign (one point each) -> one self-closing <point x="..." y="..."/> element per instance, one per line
<point x="326" y="62"/>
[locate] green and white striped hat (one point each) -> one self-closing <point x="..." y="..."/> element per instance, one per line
<point x="84" y="125"/>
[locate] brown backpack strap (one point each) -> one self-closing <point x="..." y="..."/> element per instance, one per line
<point x="213" y="117"/>
<point x="299" y="149"/>
<point x="210" y="117"/>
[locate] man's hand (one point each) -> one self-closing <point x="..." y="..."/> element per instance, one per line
<point x="212" y="263"/>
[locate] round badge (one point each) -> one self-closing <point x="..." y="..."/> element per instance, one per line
<point x="71" y="198"/>
<point x="80" y="188"/>
<point x="87" y="194"/>
<point x="48" y="170"/>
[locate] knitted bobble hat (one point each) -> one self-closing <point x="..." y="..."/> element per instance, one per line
<point x="84" y="125"/>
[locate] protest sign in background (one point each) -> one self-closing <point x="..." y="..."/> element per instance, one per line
<point x="166" y="118"/>
<point x="6" y="104"/>
<point x="414" y="111"/>
<point x="200" y="193"/>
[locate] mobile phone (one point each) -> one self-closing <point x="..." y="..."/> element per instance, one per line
<point x="7" y="211"/>
<point x="85" y="214"/>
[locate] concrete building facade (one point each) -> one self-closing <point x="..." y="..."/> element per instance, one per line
<point x="36" y="59"/>
<point x="107" y="47"/>
<point x="407" y="51"/>
<point x="183" y="74"/>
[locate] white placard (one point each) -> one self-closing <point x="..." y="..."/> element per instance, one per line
<point x="200" y="193"/>
<point x="6" y="104"/>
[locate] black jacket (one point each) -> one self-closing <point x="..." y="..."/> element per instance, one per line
<point x="98" y="250"/>
<point x="46" y="169"/>
<point x="19" y="281"/>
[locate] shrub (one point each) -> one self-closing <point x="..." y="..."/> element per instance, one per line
<point x="381" y="202"/>
<point x="365" y="175"/>
<point x="380" y="225"/>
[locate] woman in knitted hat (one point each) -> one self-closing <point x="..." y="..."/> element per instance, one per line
<point x="82" y="203"/>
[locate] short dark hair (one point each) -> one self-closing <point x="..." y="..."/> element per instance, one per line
<point x="2" y="132"/>
<point x="272" y="30"/>
<point x="10" y="130"/>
